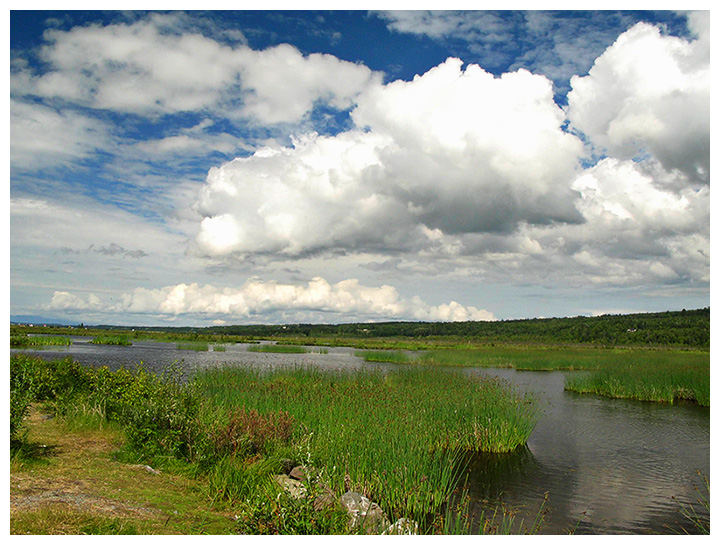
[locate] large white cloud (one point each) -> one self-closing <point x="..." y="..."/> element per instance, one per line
<point x="150" y="67"/>
<point x="649" y="93"/>
<point x="453" y="151"/>
<point x="345" y="298"/>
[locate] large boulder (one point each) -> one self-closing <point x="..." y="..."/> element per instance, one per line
<point x="365" y="516"/>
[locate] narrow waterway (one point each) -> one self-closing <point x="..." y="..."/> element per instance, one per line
<point x="604" y="465"/>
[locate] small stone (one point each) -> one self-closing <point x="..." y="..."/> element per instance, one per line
<point x="291" y="486"/>
<point x="402" y="527"/>
<point x="365" y="515"/>
<point x="298" y="473"/>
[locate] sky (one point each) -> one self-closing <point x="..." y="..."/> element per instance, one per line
<point x="217" y="168"/>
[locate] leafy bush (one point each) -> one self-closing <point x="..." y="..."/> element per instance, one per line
<point x="252" y="432"/>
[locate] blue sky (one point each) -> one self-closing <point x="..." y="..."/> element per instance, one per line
<point x="275" y="166"/>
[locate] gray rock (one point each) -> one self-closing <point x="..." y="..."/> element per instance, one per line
<point x="291" y="486"/>
<point x="365" y="516"/>
<point x="402" y="527"/>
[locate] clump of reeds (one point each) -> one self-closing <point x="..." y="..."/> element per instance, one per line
<point x="197" y="346"/>
<point x="119" y="340"/>
<point x="278" y="348"/>
<point x="24" y="341"/>
<point x="389" y="356"/>
<point x="397" y="437"/>
<point x="667" y="383"/>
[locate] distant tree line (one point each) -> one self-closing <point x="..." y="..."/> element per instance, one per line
<point x="688" y="328"/>
<point x="685" y="328"/>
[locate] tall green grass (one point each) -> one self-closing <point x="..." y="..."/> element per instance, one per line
<point x="390" y="356"/>
<point x="667" y="383"/>
<point x="277" y="348"/>
<point x="24" y="341"/>
<point x="197" y="346"/>
<point x="397" y="437"/>
<point x="119" y="340"/>
<point x="643" y="374"/>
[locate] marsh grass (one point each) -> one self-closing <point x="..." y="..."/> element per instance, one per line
<point x="197" y="346"/>
<point x="118" y="340"/>
<point x="642" y="374"/>
<point x="668" y="382"/>
<point x="277" y="348"/>
<point x="396" y="437"/>
<point x="218" y="348"/>
<point x="389" y="356"/>
<point x="25" y="341"/>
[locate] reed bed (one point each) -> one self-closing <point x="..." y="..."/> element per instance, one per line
<point x="25" y="341"/>
<point x="667" y="383"/>
<point x="643" y="374"/>
<point x="119" y="340"/>
<point x="390" y="356"/>
<point x="219" y="348"/>
<point x="399" y="437"/>
<point x="278" y="348"/>
<point x="197" y="346"/>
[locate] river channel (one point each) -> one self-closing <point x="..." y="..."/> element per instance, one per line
<point x="606" y="466"/>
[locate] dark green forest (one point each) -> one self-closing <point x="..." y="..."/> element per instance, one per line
<point x="687" y="328"/>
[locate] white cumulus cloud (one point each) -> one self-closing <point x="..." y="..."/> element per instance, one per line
<point x="453" y="151"/>
<point x="649" y="94"/>
<point x="256" y="297"/>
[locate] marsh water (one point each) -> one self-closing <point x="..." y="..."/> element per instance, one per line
<point x="606" y="466"/>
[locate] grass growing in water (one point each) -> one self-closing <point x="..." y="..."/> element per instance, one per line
<point x="277" y="348"/>
<point x="119" y="340"/>
<point x="667" y="383"/>
<point x="196" y="346"/>
<point x="390" y="356"/>
<point x="642" y="374"/>
<point x="397" y="437"/>
<point x="24" y="341"/>
<point x="219" y="348"/>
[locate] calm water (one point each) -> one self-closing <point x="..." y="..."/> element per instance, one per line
<point x="606" y="465"/>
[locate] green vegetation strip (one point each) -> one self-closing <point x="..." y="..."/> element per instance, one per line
<point x="277" y="348"/>
<point x="196" y="346"/>
<point x="25" y="341"/>
<point x="397" y="437"/>
<point x="642" y="374"/>
<point x="119" y="340"/>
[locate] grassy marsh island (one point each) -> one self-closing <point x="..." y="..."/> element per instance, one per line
<point x="277" y="348"/>
<point x="663" y="375"/>
<point x="118" y="340"/>
<point x="20" y="340"/>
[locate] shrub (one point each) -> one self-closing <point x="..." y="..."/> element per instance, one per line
<point x="252" y="432"/>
